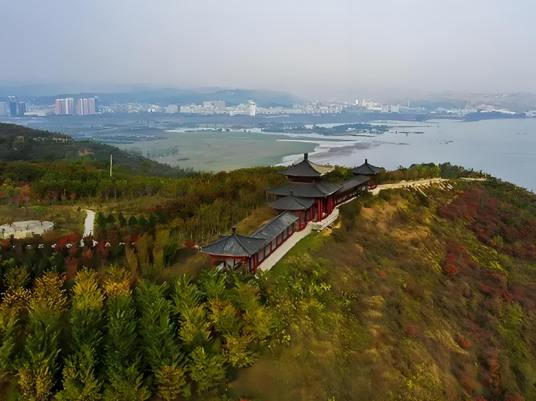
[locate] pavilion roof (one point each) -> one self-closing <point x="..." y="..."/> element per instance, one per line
<point x="292" y="202"/>
<point x="306" y="168"/>
<point x="367" y="169"/>
<point x="235" y="245"/>
<point x="319" y="189"/>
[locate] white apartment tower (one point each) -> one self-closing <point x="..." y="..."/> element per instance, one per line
<point x="252" y="108"/>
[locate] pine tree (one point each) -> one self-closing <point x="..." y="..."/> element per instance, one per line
<point x="159" y="339"/>
<point x="195" y="327"/>
<point x="15" y="301"/>
<point x="38" y="363"/>
<point x="207" y="370"/>
<point x="79" y="375"/>
<point x="122" y="352"/>
<point x="212" y="283"/>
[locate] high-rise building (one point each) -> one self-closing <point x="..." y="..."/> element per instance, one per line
<point x="57" y="107"/>
<point x="60" y="107"/>
<point x="4" y="109"/>
<point x="13" y="106"/>
<point x="86" y="107"/>
<point x="252" y="108"/>
<point x="91" y="106"/>
<point x="64" y="106"/>
<point x="96" y="104"/>
<point x="23" y="108"/>
<point x="69" y="106"/>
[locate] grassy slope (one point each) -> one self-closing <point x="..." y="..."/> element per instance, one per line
<point x="393" y="324"/>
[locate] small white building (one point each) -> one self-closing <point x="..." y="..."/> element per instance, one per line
<point x="25" y="229"/>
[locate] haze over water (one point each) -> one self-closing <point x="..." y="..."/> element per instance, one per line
<point x="503" y="148"/>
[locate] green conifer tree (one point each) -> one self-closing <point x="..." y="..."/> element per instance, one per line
<point x="80" y="381"/>
<point x="122" y="351"/>
<point x="159" y="340"/>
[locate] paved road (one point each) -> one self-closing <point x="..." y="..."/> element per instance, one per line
<point x="89" y="222"/>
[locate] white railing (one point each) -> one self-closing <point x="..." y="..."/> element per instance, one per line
<point x="326" y="222"/>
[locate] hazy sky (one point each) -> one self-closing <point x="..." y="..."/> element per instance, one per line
<point x="310" y="47"/>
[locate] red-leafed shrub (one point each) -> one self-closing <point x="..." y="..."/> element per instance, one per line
<point x="464" y="343"/>
<point x="515" y="397"/>
<point x="189" y="244"/>
<point x="383" y="274"/>
<point x="87" y="254"/>
<point x="508" y="297"/>
<point x="451" y="270"/>
<point x="491" y="359"/>
<point x="411" y="330"/>
<point x="485" y="288"/>
<point x="72" y="268"/>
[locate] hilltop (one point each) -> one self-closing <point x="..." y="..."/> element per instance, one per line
<point x="18" y="143"/>
<point x="412" y="296"/>
<point x="423" y="294"/>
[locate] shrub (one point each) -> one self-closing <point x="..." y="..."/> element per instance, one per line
<point x="451" y="270"/>
<point x="411" y="331"/>
<point x="464" y="343"/>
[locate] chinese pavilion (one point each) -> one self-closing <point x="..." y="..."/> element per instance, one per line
<point x="306" y="197"/>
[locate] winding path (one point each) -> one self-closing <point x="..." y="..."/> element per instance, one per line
<point x="89" y="222"/>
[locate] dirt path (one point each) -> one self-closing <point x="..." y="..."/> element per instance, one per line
<point x="415" y="184"/>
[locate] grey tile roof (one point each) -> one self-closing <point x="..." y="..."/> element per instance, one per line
<point x="318" y="189"/>
<point x="241" y="245"/>
<point x="306" y="168"/>
<point x="276" y="226"/>
<point x="352" y="183"/>
<point x="235" y="245"/>
<point x="292" y="202"/>
<point x="367" y="169"/>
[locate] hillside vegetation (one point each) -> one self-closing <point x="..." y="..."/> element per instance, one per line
<point x="410" y="296"/>
<point x="18" y="143"/>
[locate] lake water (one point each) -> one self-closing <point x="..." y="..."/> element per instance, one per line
<point x="503" y="148"/>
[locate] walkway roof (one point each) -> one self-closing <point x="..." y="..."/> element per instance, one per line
<point x="244" y="246"/>
<point x="276" y="226"/>
<point x="352" y="183"/>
